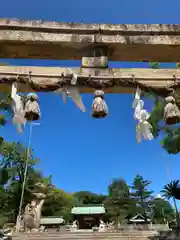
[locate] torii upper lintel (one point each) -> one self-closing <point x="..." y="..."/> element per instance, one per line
<point x="57" y="40"/>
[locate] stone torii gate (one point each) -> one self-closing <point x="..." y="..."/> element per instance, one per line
<point x="95" y="44"/>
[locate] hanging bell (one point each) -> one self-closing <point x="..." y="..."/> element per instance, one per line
<point x="99" y="106"/>
<point x="171" y="111"/>
<point x="31" y="107"/>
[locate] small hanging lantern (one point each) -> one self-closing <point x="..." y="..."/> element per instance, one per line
<point x="31" y="107"/>
<point x="171" y="111"/>
<point x="99" y="106"/>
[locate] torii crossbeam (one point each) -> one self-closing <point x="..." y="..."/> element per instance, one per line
<point x="111" y="80"/>
<point x="56" y="40"/>
<point x="94" y="44"/>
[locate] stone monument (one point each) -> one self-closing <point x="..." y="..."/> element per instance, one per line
<point x="74" y="226"/>
<point x="32" y="214"/>
<point x="102" y="226"/>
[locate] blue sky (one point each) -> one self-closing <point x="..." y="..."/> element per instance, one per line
<point x="80" y="152"/>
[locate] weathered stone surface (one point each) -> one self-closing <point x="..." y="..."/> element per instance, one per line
<point x="53" y="40"/>
<point x="47" y="79"/>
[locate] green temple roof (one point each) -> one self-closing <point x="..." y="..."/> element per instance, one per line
<point x="88" y="210"/>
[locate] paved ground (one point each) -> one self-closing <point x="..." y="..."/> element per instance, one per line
<point x="84" y="236"/>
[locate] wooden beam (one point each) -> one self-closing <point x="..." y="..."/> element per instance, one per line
<point x="57" y="40"/>
<point x="111" y="80"/>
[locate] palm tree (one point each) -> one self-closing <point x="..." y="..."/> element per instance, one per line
<point x="172" y="190"/>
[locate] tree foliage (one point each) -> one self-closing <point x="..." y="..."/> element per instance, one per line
<point x="119" y="203"/>
<point x="58" y="203"/>
<point x="154" y="65"/>
<point x="172" y="190"/>
<point x="86" y="197"/>
<point x="141" y="194"/>
<point x="140" y="187"/>
<point x="5" y="108"/>
<point x="122" y="201"/>
<point x="170" y="135"/>
<point x="163" y="211"/>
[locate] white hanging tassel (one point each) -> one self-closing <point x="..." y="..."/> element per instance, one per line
<point x="143" y="128"/>
<point x="74" y="77"/>
<point x="139" y="107"/>
<point x="75" y="96"/>
<point x="62" y="91"/>
<point x="64" y="95"/>
<point x="137" y="97"/>
<point x="18" y="109"/>
<point x="72" y="91"/>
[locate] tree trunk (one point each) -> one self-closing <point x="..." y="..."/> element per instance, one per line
<point x="143" y="204"/>
<point x="177" y="213"/>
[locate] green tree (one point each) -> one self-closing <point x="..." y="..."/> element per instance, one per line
<point x="154" y="65"/>
<point x="4" y="206"/>
<point x="170" y="137"/>
<point x="14" y="157"/>
<point x="163" y="211"/>
<point x="3" y="175"/>
<point x="172" y="191"/>
<point x="86" y="197"/>
<point x="141" y="194"/>
<point x="58" y="203"/>
<point x="177" y="65"/>
<point x="13" y="160"/>
<point x="6" y="112"/>
<point x="5" y="107"/>
<point x="119" y="203"/>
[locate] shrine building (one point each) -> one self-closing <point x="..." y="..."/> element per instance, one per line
<point x="88" y="217"/>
